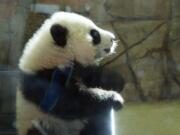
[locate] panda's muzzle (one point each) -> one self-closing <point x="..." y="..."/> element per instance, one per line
<point x="107" y="50"/>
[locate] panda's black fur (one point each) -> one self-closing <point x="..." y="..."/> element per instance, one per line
<point x="35" y="86"/>
<point x="75" y="101"/>
<point x="75" y="104"/>
<point x="59" y="34"/>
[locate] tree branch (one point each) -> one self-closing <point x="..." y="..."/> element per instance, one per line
<point x="134" y="44"/>
<point x="130" y="18"/>
<point x="128" y="63"/>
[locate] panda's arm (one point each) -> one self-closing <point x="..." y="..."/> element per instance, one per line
<point x="75" y="101"/>
<point x="86" y="102"/>
<point x="111" y="80"/>
<point x="33" y="88"/>
<point x="94" y="76"/>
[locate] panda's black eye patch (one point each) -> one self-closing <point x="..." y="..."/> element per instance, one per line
<point x="59" y="34"/>
<point x="95" y="36"/>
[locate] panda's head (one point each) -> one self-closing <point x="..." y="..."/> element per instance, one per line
<point x="65" y="37"/>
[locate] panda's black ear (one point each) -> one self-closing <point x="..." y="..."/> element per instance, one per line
<point x="59" y="34"/>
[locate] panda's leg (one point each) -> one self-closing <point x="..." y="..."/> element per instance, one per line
<point x="26" y="112"/>
<point x="37" y="129"/>
<point x="33" y="131"/>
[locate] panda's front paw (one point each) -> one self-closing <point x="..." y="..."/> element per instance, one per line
<point x="116" y="100"/>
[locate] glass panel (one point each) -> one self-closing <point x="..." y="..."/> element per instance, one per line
<point x="147" y="57"/>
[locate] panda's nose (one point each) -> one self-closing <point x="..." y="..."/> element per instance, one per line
<point x="107" y="50"/>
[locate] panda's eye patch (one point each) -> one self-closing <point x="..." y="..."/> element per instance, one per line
<point x="95" y="36"/>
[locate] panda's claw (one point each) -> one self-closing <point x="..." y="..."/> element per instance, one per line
<point x="116" y="100"/>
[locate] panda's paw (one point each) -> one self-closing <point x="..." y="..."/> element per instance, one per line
<point x="116" y="100"/>
<point x="39" y="126"/>
<point x="45" y="124"/>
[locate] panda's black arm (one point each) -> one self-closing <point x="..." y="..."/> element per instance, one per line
<point x="110" y="80"/>
<point x="86" y="102"/>
<point x="32" y="87"/>
<point x="73" y="102"/>
<point x="95" y="76"/>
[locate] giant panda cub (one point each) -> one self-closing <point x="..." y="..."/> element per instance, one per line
<point x="61" y="92"/>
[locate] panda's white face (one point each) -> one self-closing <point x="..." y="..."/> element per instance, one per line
<point x="65" y="37"/>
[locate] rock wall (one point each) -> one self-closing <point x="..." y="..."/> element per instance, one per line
<point x="13" y="14"/>
<point x="148" y="54"/>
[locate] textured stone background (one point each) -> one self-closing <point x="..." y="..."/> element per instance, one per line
<point x="148" y="55"/>
<point x="13" y="14"/>
<point x="149" y="51"/>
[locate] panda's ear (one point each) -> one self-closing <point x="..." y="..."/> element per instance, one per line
<point x="59" y="34"/>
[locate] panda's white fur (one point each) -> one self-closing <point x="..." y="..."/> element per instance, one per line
<point x="41" y="53"/>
